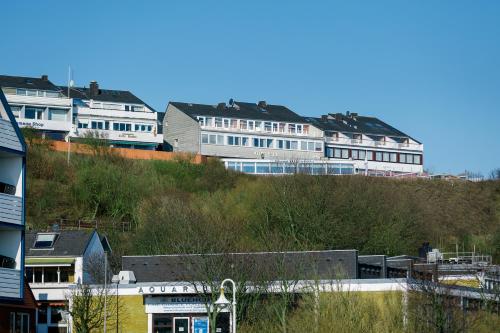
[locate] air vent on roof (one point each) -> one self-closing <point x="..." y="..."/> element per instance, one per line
<point x="28" y="81"/>
<point x="262" y="104"/>
<point x="45" y="77"/>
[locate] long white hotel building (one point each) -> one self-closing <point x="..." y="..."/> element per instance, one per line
<point x="261" y="138"/>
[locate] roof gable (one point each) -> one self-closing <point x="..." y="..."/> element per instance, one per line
<point x="71" y="243"/>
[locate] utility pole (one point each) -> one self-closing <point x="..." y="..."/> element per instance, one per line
<point x="105" y="289"/>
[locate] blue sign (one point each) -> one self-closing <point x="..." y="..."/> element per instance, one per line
<point x="200" y="325"/>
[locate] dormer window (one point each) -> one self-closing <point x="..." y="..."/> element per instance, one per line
<point x="44" y="241"/>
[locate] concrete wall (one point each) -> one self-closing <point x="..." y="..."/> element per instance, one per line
<point x="181" y="132"/>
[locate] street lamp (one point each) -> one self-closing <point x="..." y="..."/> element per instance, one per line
<point x="223" y="302"/>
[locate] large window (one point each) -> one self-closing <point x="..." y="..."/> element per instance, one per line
<point x="58" y="114"/>
<point x="16" y="110"/>
<point x="97" y="125"/>
<point x="33" y="113"/>
<point x="44" y="241"/>
<point x="19" y="322"/>
<point x="417" y="159"/>
<point x="122" y="127"/>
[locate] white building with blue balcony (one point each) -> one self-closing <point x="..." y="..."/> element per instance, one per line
<point x="12" y="222"/>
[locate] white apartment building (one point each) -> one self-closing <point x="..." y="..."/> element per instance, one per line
<point x="54" y="262"/>
<point x="374" y="147"/>
<point x="241" y="130"/>
<point x="39" y="104"/>
<point x="115" y="115"/>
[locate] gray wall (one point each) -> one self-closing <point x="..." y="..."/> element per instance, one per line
<point x="8" y="136"/>
<point x="10" y="283"/>
<point x="178" y="125"/>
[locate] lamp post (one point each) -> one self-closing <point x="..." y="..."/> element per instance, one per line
<point x="116" y="279"/>
<point x="223" y="302"/>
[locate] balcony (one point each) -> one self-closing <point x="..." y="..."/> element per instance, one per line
<point x="122" y="136"/>
<point x="110" y="113"/>
<point x="237" y="130"/>
<point x="38" y="100"/>
<point x="10" y="283"/>
<point x="11" y="209"/>
<point x="366" y="143"/>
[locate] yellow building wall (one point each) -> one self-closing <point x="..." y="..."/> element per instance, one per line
<point x="131" y="317"/>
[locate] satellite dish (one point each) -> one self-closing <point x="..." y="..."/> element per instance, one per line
<point x="71" y="83"/>
<point x="231" y="102"/>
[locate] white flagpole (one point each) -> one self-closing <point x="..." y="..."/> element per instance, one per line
<point x="71" y="115"/>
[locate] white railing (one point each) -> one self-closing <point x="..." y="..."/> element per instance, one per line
<point x="121" y="135"/>
<point x="254" y="131"/>
<point x="119" y="114"/>
<point x="366" y="143"/>
<point x="39" y="100"/>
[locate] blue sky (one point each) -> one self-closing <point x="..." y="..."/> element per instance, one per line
<point x="429" y="68"/>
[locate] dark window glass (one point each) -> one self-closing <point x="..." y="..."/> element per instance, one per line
<point x="56" y="314"/>
<point x="42" y="314"/>
<point x="50" y="275"/>
<point x="116" y="127"/>
<point x="38" y="274"/>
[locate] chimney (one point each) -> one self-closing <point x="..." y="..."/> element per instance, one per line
<point x="221" y="106"/>
<point x="45" y="77"/>
<point x="324" y="117"/>
<point x="338" y="116"/>
<point x="94" y="88"/>
<point x="262" y="104"/>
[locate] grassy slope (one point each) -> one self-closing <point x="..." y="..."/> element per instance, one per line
<point x="177" y="206"/>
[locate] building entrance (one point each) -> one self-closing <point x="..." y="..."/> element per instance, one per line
<point x="181" y="324"/>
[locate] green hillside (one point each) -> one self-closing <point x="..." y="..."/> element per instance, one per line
<point x="180" y="207"/>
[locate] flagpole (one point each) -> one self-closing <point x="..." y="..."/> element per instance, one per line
<point x="71" y="114"/>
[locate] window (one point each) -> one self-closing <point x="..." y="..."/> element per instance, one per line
<point x="208" y="121"/>
<point x="234" y="123"/>
<point x="310" y="146"/>
<point x="220" y="139"/>
<point x="282" y="127"/>
<point x="16" y="110"/>
<point x="318" y="146"/>
<point x="233" y="140"/>
<point x="226" y="123"/>
<point x="306" y="129"/>
<point x="355" y="154"/>
<point x="218" y="122"/>
<point x="402" y="158"/>
<point x="417" y="159"/>
<point x="299" y="129"/>
<point x="52" y="94"/>
<point x="137" y="108"/>
<point x="345" y="153"/>
<point x="33" y="113"/>
<point x="267" y="126"/>
<point x="44" y="241"/>
<point x="30" y="92"/>
<point x="243" y="124"/>
<point x="291" y="128"/>
<point x="385" y="157"/>
<point x="19" y="322"/>
<point x="56" y="314"/>
<point x="42" y="314"/>
<point x="258" y="126"/>
<point x="280" y="144"/>
<point x="251" y="125"/>
<point x="245" y="141"/>
<point x="38" y="274"/>
<point x="378" y="156"/>
<point x="275" y="127"/>
<point x="127" y="107"/>
<point x="362" y="154"/>
<point x="57" y="114"/>
<point x="97" y="125"/>
<point x="50" y="275"/>
<point x="82" y="125"/>
<point x="303" y="145"/>
<point x="294" y="145"/>
<point x="212" y="139"/>
<point x="21" y="92"/>
<point x="394" y="157"/>
<point x="122" y="127"/>
<point x="66" y="274"/>
<point x="204" y="138"/>
<point x="370" y="155"/>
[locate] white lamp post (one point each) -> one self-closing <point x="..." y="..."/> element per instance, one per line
<point x="223" y="302"/>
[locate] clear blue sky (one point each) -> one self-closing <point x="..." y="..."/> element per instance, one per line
<point x="429" y="68"/>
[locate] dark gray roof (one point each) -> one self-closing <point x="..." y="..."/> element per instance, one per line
<point x="240" y="110"/>
<point x="105" y="95"/>
<point x="263" y="266"/>
<point x="70" y="243"/>
<point x="370" y="126"/>
<point x="27" y="83"/>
